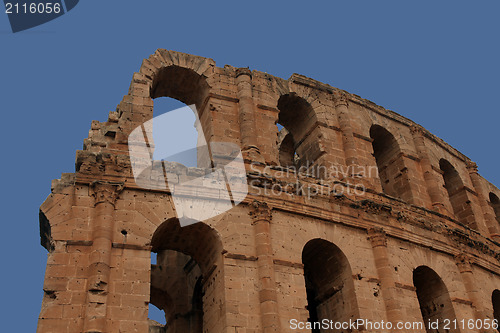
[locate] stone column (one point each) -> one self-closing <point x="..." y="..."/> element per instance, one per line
<point x="431" y="178"/>
<point x="105" y="195"/>
<point x="350" y="152"/>
<point x="463" y="262"/>
<point x="378" y="241"/>
<point x="261" y="216"/>
<point x="488" y="211"/>
<point x="246" y="114"/>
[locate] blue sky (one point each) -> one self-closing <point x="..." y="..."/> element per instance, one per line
<point x="435" y="62"/>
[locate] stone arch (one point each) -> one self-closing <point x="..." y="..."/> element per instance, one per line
<point x="433" y="298"/>
<point x="391" y="167"/>
<point x="180" y="83"/>
<point x="185" y="68"/>
<point x="187" y="258"/>
<point x="495" y="300"/>
<point x="184" y="85"/>
<point x="198" y="240"/>
<point x="166" y="74"/>
<point x="495" y="204"/>
<point x="457" y="193"/>
<point x="174" y="75"/>
<point x="329" y="283"/>
<point x="297" y="116"/>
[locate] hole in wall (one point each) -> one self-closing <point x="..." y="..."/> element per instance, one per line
<point x="156" y="314"/>
<point x="287" y="155"/>
<point x="175" y="136"/>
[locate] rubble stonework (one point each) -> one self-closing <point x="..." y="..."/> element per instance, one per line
<point x="405" y="229"/>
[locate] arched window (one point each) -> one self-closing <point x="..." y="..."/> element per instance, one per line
<point x="185" y="256"/>
<point x="433" y="298"/>
<point x="495" y="203"/>
<point x="457" y="194"/>
<point x="180" y="83"/>
<point x="391" y="169"/>
<point x="176" y="127"/>
<point x="296" y="122"/>
<point x="329" y="283"/>
<point x="174" y="134"/>
<point x="495" y="300"/>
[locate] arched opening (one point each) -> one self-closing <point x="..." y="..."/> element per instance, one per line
<point x="180" y="83"/>
<point x="457" y="194"/>
<point x="297" y="146"/>
<point x="433" y="297"/>
<point x="288" y="157"/>
<point x="186" y="258"/>
<point x="495" y="300"/>
<point x="495" y="203"/>
<point x="392" y="171"/>
<point x="329" y="284"/>
<point x="180" y="129"/>
<point x="175" y="135"/>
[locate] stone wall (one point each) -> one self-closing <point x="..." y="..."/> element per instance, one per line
<point x="405" y="229"/>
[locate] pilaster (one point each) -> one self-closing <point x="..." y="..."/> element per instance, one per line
<point x="105" y="195"/>
<point x="261" y="215"/>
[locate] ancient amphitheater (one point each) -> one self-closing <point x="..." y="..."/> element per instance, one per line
<point x="354" y="214"/>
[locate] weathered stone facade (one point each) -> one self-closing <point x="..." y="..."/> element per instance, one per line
<point x="415" y="240"/>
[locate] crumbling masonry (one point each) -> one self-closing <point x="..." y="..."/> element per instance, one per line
<point x="416" y="240"/>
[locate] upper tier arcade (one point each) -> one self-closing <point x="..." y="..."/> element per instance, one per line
<point x="329" y="135"/>
<point x="352" y="212"/>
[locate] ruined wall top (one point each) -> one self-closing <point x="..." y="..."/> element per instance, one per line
<point x="322" y="126"/>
